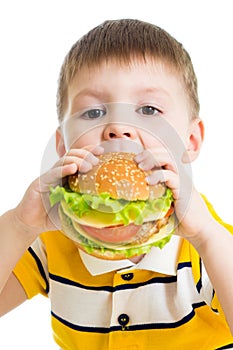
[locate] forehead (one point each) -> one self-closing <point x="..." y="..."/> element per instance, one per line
<point x="135" y="74"/>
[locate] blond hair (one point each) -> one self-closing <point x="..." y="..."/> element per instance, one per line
<point x="123" y="40"/>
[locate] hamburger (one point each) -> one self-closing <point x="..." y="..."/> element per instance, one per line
<point x="111" y="212"/>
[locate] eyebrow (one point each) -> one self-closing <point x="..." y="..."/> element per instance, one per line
<point x="90" y="93"/>
<point x="101" y="95"/>
<point x="152" y="90"/>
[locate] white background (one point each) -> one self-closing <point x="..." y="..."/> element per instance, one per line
<point x="35" y="36"/>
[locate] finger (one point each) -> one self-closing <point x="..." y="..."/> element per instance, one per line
<point x="55" y="175"/>
<point x="155" y="159"/>
<point x="168" y="177"/>
<point x="83" y="159"/>
<point x="68" y="165"/>
<point x="96" y="150"/>
<point x="82" y="154"/>
<point x="146" y="160"/>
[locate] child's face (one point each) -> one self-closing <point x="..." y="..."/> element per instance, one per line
<point x="118" y="101"/>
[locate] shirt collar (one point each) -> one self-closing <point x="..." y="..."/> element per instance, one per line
<point x="158" y="260"/>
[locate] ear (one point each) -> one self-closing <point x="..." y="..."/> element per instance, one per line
<point x="60" y="144"/>
<point x="195" y="140"/>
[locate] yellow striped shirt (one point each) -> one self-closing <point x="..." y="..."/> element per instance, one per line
<point x="127" y="309"/>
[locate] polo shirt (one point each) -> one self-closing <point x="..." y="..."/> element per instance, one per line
<point x="157" y="260"/>
<point x="165" y="301"/>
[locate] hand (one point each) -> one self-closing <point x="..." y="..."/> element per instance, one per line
<point x="34" y="214"/>
<point x="190" y="208"/>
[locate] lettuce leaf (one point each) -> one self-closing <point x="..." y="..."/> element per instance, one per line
<point x="121" y="211"/>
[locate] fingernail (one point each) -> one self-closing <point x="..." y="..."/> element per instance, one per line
<point x="142" y="166"/>
<point x="138" y="158"/>
<point x="95" y="161"/>
<point x="85" y="167"/>
<point x="150" y="180"/>
<point x="98" y="150"/>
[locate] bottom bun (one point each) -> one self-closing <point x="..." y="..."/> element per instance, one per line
<point x="106" y="251"/>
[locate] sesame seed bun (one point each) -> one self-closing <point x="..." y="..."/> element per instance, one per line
<point x="117" y="174"/>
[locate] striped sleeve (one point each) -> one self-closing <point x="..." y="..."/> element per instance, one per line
<point x="32" y="272"/>
<point x="203" y="284"/>
<point x="207" y="292"/>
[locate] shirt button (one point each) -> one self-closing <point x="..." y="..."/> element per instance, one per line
<point x="127" y="276"/>
<point x="123" y="320"/>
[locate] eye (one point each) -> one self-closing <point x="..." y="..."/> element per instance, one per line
<point x="94" y="113"/>
<point x="148" y="110"/>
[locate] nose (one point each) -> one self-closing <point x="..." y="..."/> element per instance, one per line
<point x="114" y="131"/>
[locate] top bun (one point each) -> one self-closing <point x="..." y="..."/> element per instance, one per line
<point x="117" y="174"/>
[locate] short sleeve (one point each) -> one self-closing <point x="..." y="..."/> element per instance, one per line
<point x="207" y="289"/>
<point x="31" y="270"/>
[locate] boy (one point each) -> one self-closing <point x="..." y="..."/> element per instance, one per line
<point x="174" y="298"/>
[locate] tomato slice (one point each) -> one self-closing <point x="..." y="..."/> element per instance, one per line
<point x="170" y="211"/>
<point x="113" y="234"/>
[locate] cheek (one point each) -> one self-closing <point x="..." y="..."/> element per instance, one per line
<point x="170" y="139"/>
<point x="80" y="140"/>
<point x="150" y="141"/>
